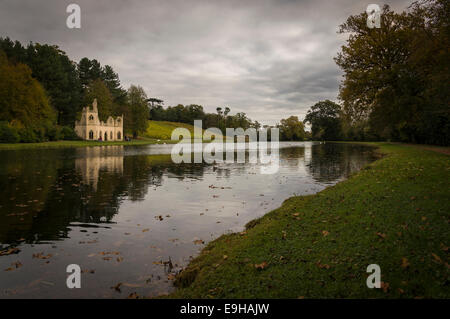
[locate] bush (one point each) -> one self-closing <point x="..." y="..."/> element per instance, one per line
<point x="8" y="134"/>
<point x="68" y="133"/>
<point x="28" y="135"/>
<point x="54" y="133"/>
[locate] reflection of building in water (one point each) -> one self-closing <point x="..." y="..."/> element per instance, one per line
<point x="91" y="160"/>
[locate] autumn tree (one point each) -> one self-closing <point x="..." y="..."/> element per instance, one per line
<point x="136" y="119"/>
<point x="24" y="105"/>
<point x="324" y="118"/>
<point x="396" y="77"/>
<point x="291" y="129"/>
<point x="97" y="90"/>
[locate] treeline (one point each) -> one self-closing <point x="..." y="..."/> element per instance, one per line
<point x="187" y="114"/>
<point x="396" y="78"/>
<point x="42" y="93"/>
<point x="291" y="129"/>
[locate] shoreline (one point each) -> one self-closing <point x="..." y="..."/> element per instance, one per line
<point x="388" y="213"/>
<point x="74" y="144"/>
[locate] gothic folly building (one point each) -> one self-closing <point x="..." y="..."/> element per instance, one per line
<point x="91" y="128"/>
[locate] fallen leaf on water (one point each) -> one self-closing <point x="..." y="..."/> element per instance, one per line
<point x="9" y="251"/>
<point x="133" y="295"/>
<point x="126" y="284"/>
<point x="42" y="256"/>
<point x="88" y="271"/>
<point x="170" y="276"/>
<point x="117" y="287"/>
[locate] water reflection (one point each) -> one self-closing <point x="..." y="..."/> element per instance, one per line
<point x="76" y="203"/>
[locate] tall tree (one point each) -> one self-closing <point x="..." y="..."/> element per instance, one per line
<point x="395" y="77"/>
<point x="23" y="101"/>
<point x="136" y="121"/>
<point x="97" y="89"/>
<point x="291" y="129"/>
<point x="324" y="118"/>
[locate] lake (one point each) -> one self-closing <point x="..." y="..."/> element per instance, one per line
<point x="131" y="218"/>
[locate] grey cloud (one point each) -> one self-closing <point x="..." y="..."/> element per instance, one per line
<point x="270" y="59"/>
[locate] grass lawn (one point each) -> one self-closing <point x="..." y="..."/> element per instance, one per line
<point x="163" y="130"/>
<point x="394" y="213"/>
<point x="58" y="144"/>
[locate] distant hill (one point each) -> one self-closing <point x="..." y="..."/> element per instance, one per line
<point x="163" y="130"/>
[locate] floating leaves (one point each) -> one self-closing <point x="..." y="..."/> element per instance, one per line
<point x="42" y="256"/>
<point x="14" y="265"/>
<point x="9" y="251"/>
<point x="198" y="242"/>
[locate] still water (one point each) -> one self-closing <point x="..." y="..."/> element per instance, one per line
<point x="129" y="215"/>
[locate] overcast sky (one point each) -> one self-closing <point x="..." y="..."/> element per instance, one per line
<point x="269" y="59"/>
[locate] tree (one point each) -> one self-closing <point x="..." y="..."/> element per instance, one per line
<point x="396" y="77"/>
<point x="97" y="89"/>
<point x="291" y="129"/>
<point x="24" y="105"/>
<point x="136" y="121"/>
<point x="324" y="118"/>
<point x="112" y="81"/>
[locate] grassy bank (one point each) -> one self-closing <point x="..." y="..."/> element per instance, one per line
<point x="157" y="132"/>
<point x="394" y="213"/>
<point x="59" y="144"/>
<point x="163" y="130"/>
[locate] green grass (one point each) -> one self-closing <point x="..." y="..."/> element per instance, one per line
<point x="68" y="144"/>
<point x="394" y="213"/>
<point x="156" y="130"/>
<point x="163" y="130"/>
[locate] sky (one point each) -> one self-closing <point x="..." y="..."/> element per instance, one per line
<point x="268" y="58"/>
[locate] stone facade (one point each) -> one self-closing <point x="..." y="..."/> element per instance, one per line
<point x="91" y="128"/>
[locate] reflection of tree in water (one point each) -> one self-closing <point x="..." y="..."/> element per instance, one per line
<point x="331" y="161"/>
<point x="45" y="192"/>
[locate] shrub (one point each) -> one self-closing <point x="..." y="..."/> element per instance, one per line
<point x="68" y="133"/>
<point x="8" y="134"/>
